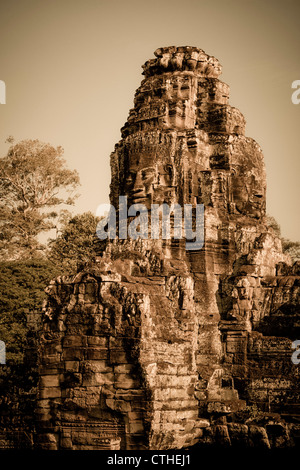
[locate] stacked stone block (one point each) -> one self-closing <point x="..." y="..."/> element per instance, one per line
<point x="153" y="346"/>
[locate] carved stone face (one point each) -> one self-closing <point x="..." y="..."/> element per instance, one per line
<point x="139" y="184"/>
<point x="149" y="185"/>
<point x="248" y="193"/>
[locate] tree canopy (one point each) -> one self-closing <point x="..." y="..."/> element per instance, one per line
<point x="76" y="242"/>
<point x="34" y="180"/>
<point x="288" y="246"/>
<point x="22" y="285"/>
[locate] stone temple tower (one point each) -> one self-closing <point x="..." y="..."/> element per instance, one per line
<point x="151" y="343"/>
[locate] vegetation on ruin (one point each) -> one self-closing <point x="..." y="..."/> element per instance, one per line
<point x="34" y="182"/>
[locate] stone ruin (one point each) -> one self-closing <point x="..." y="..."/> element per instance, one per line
<point x="151" y="345"/>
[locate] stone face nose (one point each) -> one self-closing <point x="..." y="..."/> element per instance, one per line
<point x="138" y="183"/>
<point x="142" y="186"/>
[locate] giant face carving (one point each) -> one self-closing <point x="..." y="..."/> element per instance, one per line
<point x="153" y="184"/>
<point x="248" y="193"/>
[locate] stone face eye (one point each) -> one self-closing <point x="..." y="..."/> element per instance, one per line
<point x="147" y="173"/>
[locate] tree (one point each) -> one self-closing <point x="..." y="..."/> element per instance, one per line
<point x="33" y="181"/>
<point x="76" y="243"/>
<point x="288" y="246"/>
<point x="272" y="222"/>
<point x="291" y="248"/>
<point x="22" y="285"/>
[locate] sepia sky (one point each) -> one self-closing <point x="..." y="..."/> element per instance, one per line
<point x="71" y="68"/>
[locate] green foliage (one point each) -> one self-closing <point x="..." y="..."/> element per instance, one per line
<point x="272" y="222"/>
<point x="22" y="287"/>
<point x="33" y="180"/>
<point x="291" y="248"/>
<point x="288" y="246"/>
<point x="76" y="243"/>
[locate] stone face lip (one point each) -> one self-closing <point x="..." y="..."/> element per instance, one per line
<point x="153" y="346"/>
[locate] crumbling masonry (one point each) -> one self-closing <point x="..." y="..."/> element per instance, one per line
<point x="153" y="346"/>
